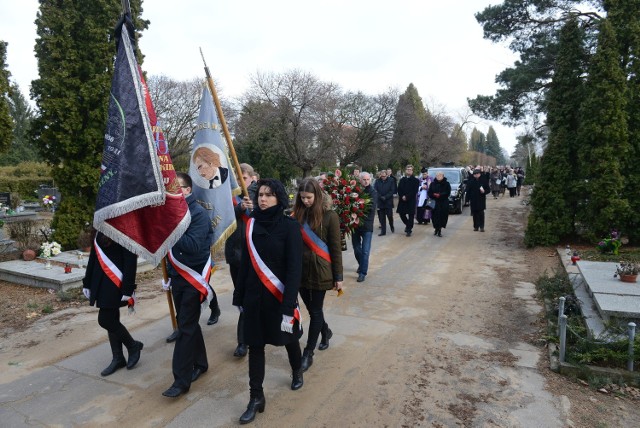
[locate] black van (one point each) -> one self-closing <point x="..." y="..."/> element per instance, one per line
<point x="457" y="178"/>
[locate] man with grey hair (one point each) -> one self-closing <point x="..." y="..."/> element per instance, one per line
<point x="361" y="236"/>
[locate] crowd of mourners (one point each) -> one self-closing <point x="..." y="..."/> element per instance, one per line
<point x="275" y="256"/>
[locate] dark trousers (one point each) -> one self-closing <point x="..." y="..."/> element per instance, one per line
<point x="234" y="269"/>
<point x="420" y="211"/>
<point x="407" y="219"/>
<point x="109" y="319"/>
<point x="189" y="351"/>
<point x="512" y="192"/>
<point x="257" y="364"/>
<point x="478" y="219"/>
<point x="314" y="301"/>
<point x="383" y="215"/>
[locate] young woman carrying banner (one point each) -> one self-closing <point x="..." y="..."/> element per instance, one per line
<point x="267" y="289"/>
<point x="109" y="283"/>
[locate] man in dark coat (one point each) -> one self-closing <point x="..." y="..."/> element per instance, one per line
<point x="385" y="187"/>
<point x="477" y="191"/>
<point x="407" y="191"/>
<point x="361" y="237"/>
<point x="193" y="252"/>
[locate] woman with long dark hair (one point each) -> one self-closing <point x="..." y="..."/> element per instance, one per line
<point x="321" y="260"/>
<point x="109" y="283"/>
<point x="267" y="290"/>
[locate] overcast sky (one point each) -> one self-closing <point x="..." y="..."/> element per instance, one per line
<point x="363" y="45"/>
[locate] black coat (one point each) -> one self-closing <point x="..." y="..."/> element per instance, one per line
<point x="280" y="247"/>
<point x="477" y="200"/>
<point x="104" y="292"/>
<point x="385" y="190"/>
<point x="440" y="214"/>
<point x="194" y="246"/>
<point x="408" y="187"/>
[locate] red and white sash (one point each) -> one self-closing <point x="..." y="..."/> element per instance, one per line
<point x="267" y="277"/>
<point x="200" y="281"/>
<point x="111" y="270"/>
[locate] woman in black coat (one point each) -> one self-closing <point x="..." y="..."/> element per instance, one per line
<point x="273" y="244"/>
<point x="109" y="283"/>
<point x="440" y="189"/>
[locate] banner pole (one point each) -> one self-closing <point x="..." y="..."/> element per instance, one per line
<point x="225" y="130"/>
<point x="172" y="311"/>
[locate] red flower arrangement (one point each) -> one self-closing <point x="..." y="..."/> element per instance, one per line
<point x="350" y="201"/>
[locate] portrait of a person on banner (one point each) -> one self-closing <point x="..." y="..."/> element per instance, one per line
<point x="210" y="166"/>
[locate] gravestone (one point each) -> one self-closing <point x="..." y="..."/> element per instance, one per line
<point x="5" y="199"/>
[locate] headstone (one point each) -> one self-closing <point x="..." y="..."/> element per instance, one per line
<point x="45" y="190"/>
<point x="5" y="199"/>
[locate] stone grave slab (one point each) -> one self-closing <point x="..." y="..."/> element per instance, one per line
<point x="612" y="297"/>
<point x="34" y="273"/>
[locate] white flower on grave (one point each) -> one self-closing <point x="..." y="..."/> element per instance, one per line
<point x="48" y="249"/>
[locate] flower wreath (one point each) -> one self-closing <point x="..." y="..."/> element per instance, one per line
<point x="350" y="201"/>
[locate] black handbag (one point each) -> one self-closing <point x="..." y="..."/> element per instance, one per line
<point x="431" y="204"/>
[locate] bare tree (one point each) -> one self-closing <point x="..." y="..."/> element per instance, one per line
<point x="361" y="127"/>
<point x="301" y="105"/>
<point x="177" y="104"/>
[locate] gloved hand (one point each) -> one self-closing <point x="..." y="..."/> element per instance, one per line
<point x="125" y="298"/>
<point x="436" y="195"/>
<point x="87" y="293"/>
<point x="287" y="324"/>
<point x="166" y="286"/>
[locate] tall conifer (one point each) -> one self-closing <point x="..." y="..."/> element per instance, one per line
<point x="75" y="49"/>
<point x="554" y="199"/>
<point x="6" y="124"/>
<point x="603" y="139"/>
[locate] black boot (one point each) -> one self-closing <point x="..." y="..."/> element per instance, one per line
<point x="215" y="315"/>
<point x="134" y="354"/>
<point x="307" y="360"/>
<point x="241" y="350"/>
<point x="118" y="360"/>
<point x="255" y="405"/>
<point x="297" y="381"/>
<point x="325" y="335"/>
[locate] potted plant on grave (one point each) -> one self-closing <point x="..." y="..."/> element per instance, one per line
<point x="627" y="271"/>
<point x="85" y="238"/>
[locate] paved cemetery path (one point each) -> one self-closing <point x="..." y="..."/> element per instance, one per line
<point x="442" y="333"/>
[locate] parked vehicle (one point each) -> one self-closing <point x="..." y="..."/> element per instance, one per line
<point x="457" y="178"/>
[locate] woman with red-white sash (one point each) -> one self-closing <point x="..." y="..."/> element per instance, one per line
<point x="321" y="260"/>
<point x="109" y="283"/>
<point x="267" y="289"/>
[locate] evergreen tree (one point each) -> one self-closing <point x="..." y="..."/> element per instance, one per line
<point x="555" y="197"/>
<point x="22" y="147"/>
<point x="625" y="18"/>
<point x="477" y="141"/>
<point x="6" y="124"/>
<point x="604" y="139"/>
<point x="493" y="145"/>
<point x="409" y="133"/>
<point x="75" y="49"/>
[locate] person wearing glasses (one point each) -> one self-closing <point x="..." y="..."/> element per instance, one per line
<point x="189" y="269"/>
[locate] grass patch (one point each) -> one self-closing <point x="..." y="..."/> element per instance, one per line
<point x="611" y="350"/>
<point x="625" y="253"/>
<point x="47" y="309"/>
